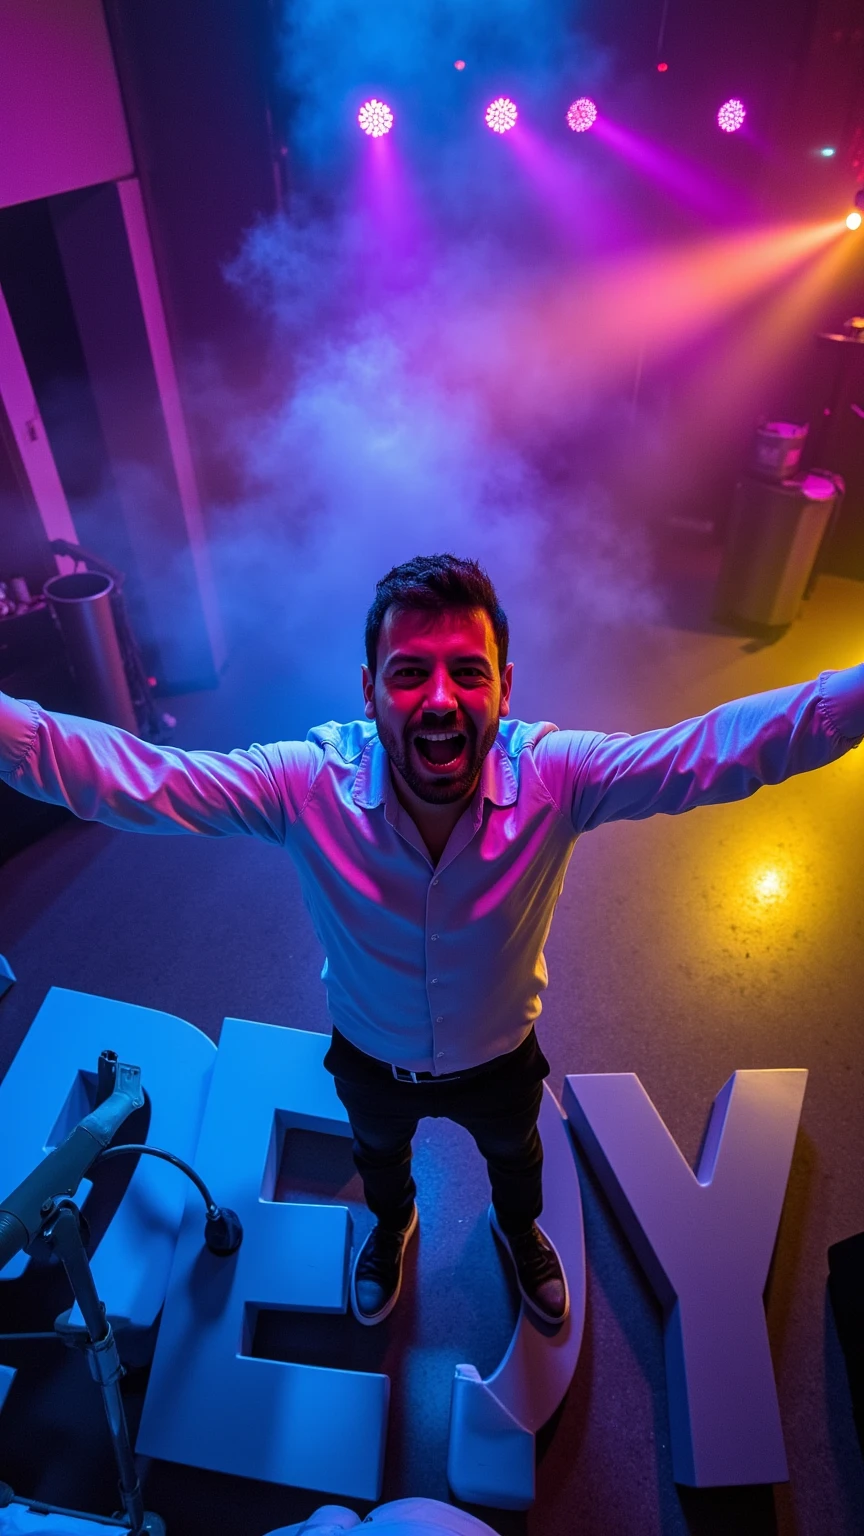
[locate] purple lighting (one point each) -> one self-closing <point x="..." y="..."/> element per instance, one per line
<point x="375" y="118"/>
<point x="581" y="114"/>
<point x="731" y="115"/>
<point x="501" y="114"/>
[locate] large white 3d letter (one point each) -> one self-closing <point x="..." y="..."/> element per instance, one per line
<point x="209" y="1402"/>
<point x="705" y="1242"/>
<point x="490" y="1459"/>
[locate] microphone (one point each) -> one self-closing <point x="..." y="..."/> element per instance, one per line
<point x="25" y="1211"/>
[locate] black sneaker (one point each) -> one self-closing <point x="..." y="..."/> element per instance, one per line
<point x="541" y="1279"/>
<point x="376" y="1278"/>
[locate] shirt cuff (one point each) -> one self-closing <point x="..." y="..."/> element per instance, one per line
<point x="841" y="703"/>
<point x="19" y="722"/>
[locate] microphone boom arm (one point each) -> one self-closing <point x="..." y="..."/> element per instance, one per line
<point x="25" y="1211"/>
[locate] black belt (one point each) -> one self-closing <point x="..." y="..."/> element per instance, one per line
<point x="405" y="1075"/>
<point x="528" y="1048"/>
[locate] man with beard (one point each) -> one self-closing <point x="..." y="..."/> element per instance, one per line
<point x="431" y="841"/>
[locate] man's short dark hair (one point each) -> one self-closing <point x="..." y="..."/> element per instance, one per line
<point x="434" y="583"/>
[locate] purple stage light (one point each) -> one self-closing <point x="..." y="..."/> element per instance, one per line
<point x="501" y="114"/>
<point x="375" y="118"/>
<point x="581" y="114"/>
<point x="731" y="115"/>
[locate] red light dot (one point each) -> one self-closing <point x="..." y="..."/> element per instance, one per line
<point x="459" y="64"/>
<point x="662" y="68"/>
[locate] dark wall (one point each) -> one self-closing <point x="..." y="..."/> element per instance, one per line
<point x="198" y="82"/>
<point x="23" y="546"/>
<point x="97" y="263"/>
<point x="798" y="66"/>
<point x="35" y="289"/>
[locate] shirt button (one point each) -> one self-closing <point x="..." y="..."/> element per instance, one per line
<point x="435" y="880"/>
<point x="440" y="1019"/>
<point x="440" y="1055"/>
<point x="434" y="982"/>
<point x="434" y="937"/>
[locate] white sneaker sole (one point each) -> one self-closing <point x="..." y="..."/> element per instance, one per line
<point x="369" y="1320"/>
<point x="554" y="1322"/>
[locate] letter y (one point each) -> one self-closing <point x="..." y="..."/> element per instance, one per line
<point x="705" y="1242"/>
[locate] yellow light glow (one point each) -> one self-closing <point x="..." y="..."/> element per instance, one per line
<point x="736" y="370"/>
<point x="853" y="220"/>
<point x="587" y="331"/>
<point x="769" y="886"/>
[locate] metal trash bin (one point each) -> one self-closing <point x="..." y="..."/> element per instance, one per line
<point x="772" y="543"/>
<point x="81" y="605"/>
<point x="777" y="449"/>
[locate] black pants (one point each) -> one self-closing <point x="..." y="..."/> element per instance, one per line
<point x="498" y="1103"/>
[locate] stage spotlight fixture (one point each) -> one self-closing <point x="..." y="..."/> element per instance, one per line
<point x="854" y="220"/>
<point x="731" y="115"/>
<point x="826" y="153"/>
<point x="662" y="68"/>
<point x="375" y="118"/>
<point x="501" y="114"/>
<point x="459" y="64"/>
<point x="581" y="114"/>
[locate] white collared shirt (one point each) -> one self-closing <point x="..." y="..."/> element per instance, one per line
<point x="433" y="967"/>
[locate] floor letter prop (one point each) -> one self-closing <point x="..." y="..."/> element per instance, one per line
<point x="493" y="1423"/>
<point x="50" y="1086"/>
<point x="705" y="1242"/>
<point x="209" y="1403"/>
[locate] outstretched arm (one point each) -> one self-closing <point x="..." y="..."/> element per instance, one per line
<point x="104" y="774"/>
<point x="724" y="755"/>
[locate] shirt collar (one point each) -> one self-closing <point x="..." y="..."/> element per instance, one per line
<point x="497" y="779"/>
<point x="371" y="781"/>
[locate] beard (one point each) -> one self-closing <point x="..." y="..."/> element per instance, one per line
<point x="441" y="787"/>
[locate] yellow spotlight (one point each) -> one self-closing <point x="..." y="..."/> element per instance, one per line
<point x="853" y="219"/>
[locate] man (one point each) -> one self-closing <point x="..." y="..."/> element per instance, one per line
<point x="431" y="841"/>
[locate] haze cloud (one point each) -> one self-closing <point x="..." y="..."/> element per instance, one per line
<point x="401" y="413"/>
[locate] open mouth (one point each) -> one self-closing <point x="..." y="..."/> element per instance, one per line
<point x="441" y="749"/>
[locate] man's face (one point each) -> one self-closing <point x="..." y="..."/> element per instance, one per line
<point x="437" y="698"/>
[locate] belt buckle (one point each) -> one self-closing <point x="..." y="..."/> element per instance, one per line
<point x="404" y="1074"/>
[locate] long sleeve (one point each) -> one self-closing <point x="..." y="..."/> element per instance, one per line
<point x="104" y="774"/>
<point x="724" y="755"/>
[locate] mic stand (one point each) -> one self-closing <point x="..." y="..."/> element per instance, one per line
<point x="32" y="1214"/>
<point x="62" y="1234"/>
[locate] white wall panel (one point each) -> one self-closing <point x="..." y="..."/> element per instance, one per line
<point x="62" y="124"/>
